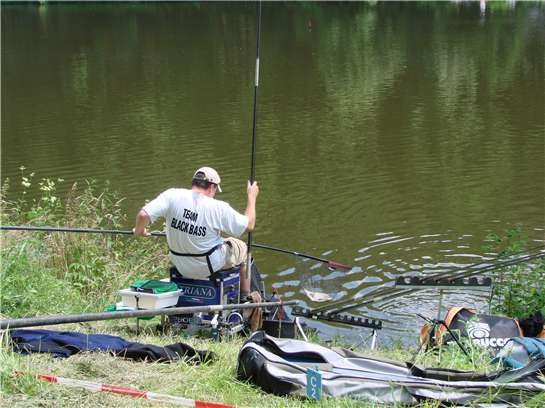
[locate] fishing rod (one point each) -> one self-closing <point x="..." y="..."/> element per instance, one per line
<point x="330" y="264"/>
<point x="441" y="275"/>
<point x="77" y="230"/>
<point x="459" y="273"/>
<point x="391" y="293"/>
<point x="254" y="126"/>
<point x="94" y="317"/>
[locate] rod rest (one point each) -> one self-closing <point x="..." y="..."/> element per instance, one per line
<point x="338" y="318"/>
<point x="415" y="281"/>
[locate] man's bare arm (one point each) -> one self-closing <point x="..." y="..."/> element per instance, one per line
<point x="252" y="191"/>
<point x="142" y="221"/>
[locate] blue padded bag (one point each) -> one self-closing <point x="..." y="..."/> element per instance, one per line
<point x="520" y="351"/>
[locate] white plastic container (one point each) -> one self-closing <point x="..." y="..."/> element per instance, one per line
<point x="143" y="300"/>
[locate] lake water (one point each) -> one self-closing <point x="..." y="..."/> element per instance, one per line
<point x="391" y="136"/>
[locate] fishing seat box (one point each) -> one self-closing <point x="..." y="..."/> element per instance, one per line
<point x="221" y="288"/>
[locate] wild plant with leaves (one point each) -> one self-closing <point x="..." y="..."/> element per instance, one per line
<point x="518" y="290"/>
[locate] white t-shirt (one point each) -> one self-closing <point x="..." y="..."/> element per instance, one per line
<point x="194" y="222"/>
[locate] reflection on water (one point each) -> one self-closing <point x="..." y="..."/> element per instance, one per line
<point x="394" y="136"/>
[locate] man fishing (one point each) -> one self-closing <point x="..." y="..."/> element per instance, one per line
<point x="195" y="221"/>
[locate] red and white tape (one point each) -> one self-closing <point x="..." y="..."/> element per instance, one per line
<point x="133" y="392"/>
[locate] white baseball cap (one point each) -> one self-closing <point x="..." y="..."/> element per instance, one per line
<point x="208" y="174"/>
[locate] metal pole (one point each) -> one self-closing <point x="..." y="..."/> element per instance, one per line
<point x="374" y="340"/>
<point x="440" y="304"/>
<point x="93" y="317"/>
<point x="301" y="331"/>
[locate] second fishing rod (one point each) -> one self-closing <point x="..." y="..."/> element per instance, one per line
<point x="389" y="292"/>
<point x="392" y="293"/>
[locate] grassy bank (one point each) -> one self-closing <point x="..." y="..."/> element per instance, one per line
<point x="48" y="273"/>
<point x="210" y="382"/>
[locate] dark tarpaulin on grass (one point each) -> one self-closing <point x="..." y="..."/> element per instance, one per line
<point x="66" y="344"/>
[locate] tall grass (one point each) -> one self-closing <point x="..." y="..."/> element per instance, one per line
<point x="64" y="272"/>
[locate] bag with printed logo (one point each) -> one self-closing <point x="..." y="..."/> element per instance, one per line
<point x="488" y="331"/>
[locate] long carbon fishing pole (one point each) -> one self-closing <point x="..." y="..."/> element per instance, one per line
<point x="394" y="293"/>
<point x="93" y="317"/>
<point x="330" y="264"/>
<point x="389" y="293"/>
<point x="338" y="306"/>
<point x="76" y="230"/>
<point x="433" y="276"/>
<point x="254" y="126"/>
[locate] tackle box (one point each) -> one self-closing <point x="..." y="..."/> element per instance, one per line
<point x="142" y="300"/>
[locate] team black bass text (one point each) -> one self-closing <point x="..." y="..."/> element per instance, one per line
<point x="186" y="227"/>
